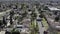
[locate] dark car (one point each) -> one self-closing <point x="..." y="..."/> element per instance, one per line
<point x="39" y="19"/>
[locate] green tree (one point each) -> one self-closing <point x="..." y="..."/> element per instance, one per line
<point x="4" y="21"/>
<point x="57" y="18"/>
<point x="33" y="15"/>
<point x="45" y="8"/>
<point x="15" y="31"/>
<point x="22" y="6"/>
<point x="39" y="9"/>
<point x="1" y="22"/>
<point x="11" y="16"/>
<point x="24" y="14"/>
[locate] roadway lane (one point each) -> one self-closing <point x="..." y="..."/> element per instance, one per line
<point x="41" y="29"/>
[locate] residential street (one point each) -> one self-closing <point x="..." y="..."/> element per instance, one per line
<point x="41" y="29"/>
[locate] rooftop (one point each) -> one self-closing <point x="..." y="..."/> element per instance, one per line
<point x="53" y="8"/>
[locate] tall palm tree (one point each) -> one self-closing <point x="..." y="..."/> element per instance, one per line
<point x="33" y="15"/>
<point x="4" y="21"/>
<point x="11" y="16"/>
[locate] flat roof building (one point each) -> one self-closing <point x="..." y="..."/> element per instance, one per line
<point x="53" y="9"/>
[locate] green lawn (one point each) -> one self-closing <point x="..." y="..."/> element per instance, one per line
<point x="45" y="23"/>
<point x="34" y="25"/>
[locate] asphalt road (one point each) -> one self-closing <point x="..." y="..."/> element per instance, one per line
<point x="41" y="29"/>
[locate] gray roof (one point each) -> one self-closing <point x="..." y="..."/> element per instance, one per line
<point x="53" y="8"/>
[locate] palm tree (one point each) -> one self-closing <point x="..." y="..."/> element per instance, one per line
<point x="22" y="6"/>
<point x="39" y="9"/>
<point x="4" y="21"/>
<point x="33" y="15"/>
<point x="1" y="22"/>
<point x="11" y="15"/>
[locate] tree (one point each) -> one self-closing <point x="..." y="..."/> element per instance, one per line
<point x="33" y="15"/>
<point x="41" y="15"/>
<point x="1" y="22"/>
<point x="10" y="5"/>
<point x="22" y="6"/>
<point x="55" y="13"/>
<point x="4" y="21"/>
<point x="37" y="4"/>
<point x="51" y="1"/>
<point x="56" y="18"/>
<point x="45" y="8"/>
<point x="15" y="31"/>
<point x="27" y="6"/>
<point x="15" y="7"/>
<point x="39" y="9"/>
<point x="7" y="32"/>
<point x="11" y="15"/>
<point x="24" y="14"/>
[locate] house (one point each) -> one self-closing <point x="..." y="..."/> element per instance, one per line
<point x="53" y="9"/>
